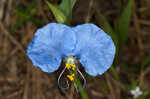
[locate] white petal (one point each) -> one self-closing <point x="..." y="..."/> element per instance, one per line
<point x="137" y="89"/>
<point x="133" y="92"/>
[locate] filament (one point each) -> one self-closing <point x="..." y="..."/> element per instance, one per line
<point x="59" y="81"/>
<point x="84" y="80"/>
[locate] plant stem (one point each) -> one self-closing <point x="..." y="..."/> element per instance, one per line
<point x="79" y="86"/>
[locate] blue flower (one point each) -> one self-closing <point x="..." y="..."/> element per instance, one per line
<point x="90" y="44"/>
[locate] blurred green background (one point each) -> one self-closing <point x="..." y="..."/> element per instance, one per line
<point x="126" y="21"/>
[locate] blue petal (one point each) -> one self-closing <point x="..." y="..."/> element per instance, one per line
<point x="50" y="44"/>
<point x="95" y="49"/>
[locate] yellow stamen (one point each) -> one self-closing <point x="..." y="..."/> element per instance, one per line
<point x="71" y="77"/>
<point x="73" y="67"/>
<point x="68" y="66"/>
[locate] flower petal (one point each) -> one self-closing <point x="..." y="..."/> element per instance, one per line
<point x="50" y="44"/>
<point x="95" y="49"/>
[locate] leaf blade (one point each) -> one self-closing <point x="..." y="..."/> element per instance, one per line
<point x="59" y="16"/>
<point x="122" y="26"/>
<point x="66" y="7"/>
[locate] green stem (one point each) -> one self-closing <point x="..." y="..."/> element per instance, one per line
<point x="79" y="86"/>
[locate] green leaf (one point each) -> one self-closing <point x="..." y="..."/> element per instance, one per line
<point x="134" y="85"/>
<point x="66" y="7"/>
<point x="36" y="20"/>
<point x="60" y="18"/>
<point x="141" y="97"/>
<point x="146" y="92"/>
<point x="114" y="73"/>
<point x="17" y="24"/>
<point x="25" y="14"/>
<point x="22" y="14"/>
<point x="122" y="26"/>
<point x="32" y="6"/>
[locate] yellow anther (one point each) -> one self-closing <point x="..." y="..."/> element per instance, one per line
<point x="68" y="66"/>
<point x="73" y="67"/>
<point x="73" y="74"/>
<point x="71" y="77"/>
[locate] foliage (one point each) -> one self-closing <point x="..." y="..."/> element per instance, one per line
<point x="26" y="14"/>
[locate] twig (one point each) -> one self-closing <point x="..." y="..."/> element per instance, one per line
<point x="14" y="94"/>
<point x="41" y="11"/>
<point x="26" y="88"/>
<point x="87" y="19"/>
<point x="8" y="12"/>
<point x="34" y="90"/>
<point x="139" y="37"/>
<point x="12" y="39"/>
<point x="142" y="75"/>
<point x="138" y="30"/>
<point x="39" y="94"/>
<point x="143" y="6"/>
<point x="27" y="83"/>
<point x="71" y="92"/>
<point x="2" y="7"/>
<point x="110" y="87"/>
<point x="5" y="47"/>
<point x="117" y="83"/>
<point x="144" y="22"/>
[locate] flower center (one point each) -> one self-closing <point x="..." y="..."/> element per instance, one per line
<point x="71" y="68"/>
<point x="70" y="65"/>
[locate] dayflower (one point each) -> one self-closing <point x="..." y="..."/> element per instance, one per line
<point x="86" y="42"/>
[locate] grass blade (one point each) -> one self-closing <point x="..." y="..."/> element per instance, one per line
<point x="122" y="26"/>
